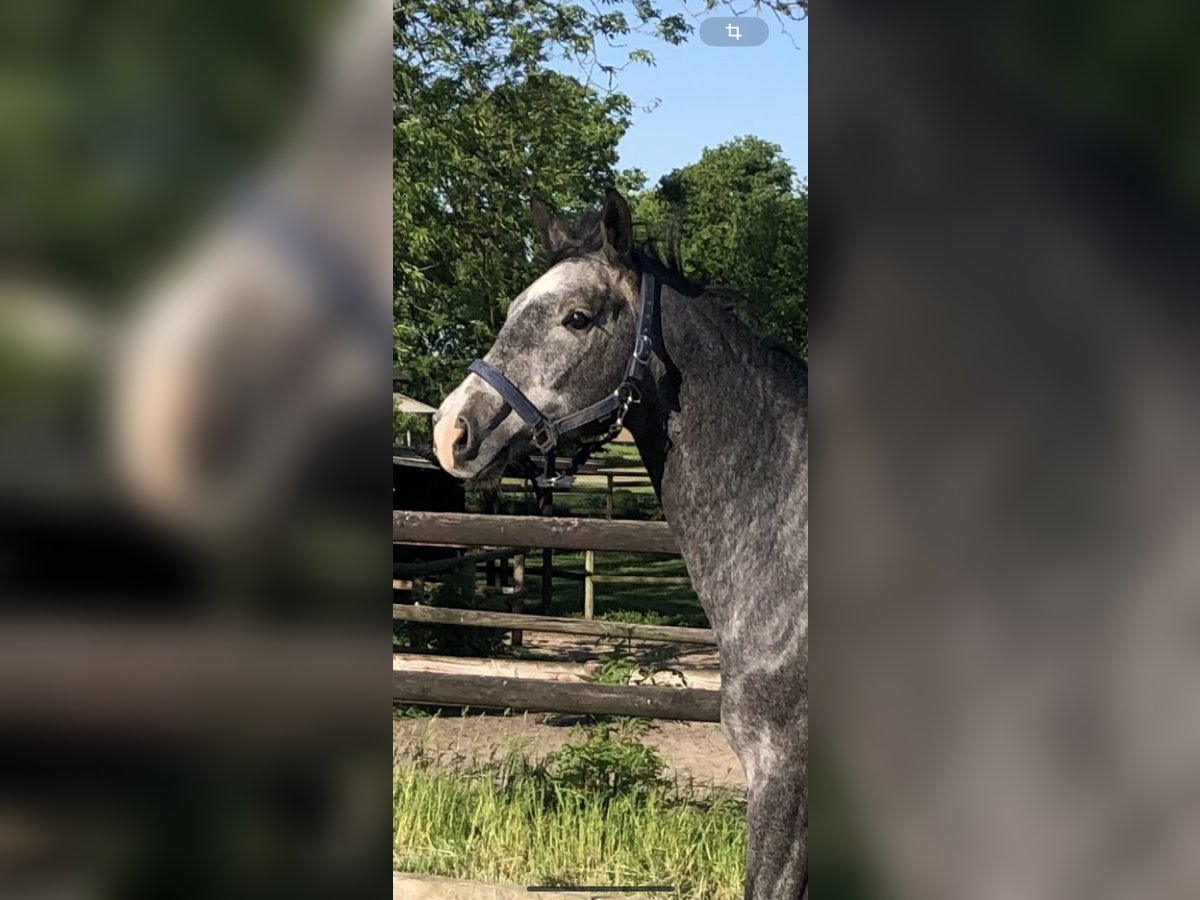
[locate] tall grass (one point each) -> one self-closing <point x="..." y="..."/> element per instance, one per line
<point x="597" y="811"/>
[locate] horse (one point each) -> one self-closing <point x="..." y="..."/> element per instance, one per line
<point x="252" y="366"/>
<point x="720" y="416"/>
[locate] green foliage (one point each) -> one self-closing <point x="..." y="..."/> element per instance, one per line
<point x="479" y="123"/>
<point x="627" y="504"/>
<point x="123" y="120"/>
<point x="456" y="590"/>
<point x="738" y="219"/>
<point x="483" y="43"/>
<point x="617" y="667"/>
<point x="636" y="617"/>
<point x="465" y="167"/>
<point x="605" y="765"/>
<point x="405" y="425"/>
<point x="594" y="812"/>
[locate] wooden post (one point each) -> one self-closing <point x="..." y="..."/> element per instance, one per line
<point x="546" y="504"/>
<point x="418" y="635"/>
<point x="518" y="590"/>
<point x="589" y="586"/>
<point x="608" y="500"/>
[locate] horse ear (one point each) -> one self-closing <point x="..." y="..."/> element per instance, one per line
<point x="549" y="228"/>
<point x="618" y="223"/>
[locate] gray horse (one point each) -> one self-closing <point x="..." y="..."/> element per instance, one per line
<point x="722" y="426"/>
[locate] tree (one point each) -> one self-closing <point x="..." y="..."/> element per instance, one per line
<point x="466" y="164"/>
<point x="739" y="219"/>
<point x="480" y="122"/>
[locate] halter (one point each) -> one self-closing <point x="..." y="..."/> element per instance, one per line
<point x="548" y="432"/>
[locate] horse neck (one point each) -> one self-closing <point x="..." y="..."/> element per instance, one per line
<point x="723" y="432"/>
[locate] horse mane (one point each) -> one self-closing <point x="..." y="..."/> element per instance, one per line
<point x="585" y="237"/>
<point x="720" y="301"/>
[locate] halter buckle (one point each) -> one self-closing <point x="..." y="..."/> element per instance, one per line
<point x="543" y="437"/>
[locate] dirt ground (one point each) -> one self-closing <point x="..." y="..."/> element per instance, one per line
<point x="691" y="749"/>
<point x="695" y="749"/>
<point x="585" y="647"/>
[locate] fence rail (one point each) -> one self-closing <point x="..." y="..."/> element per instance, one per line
<point x="689" y="704"/>
<point x="565" y="671"/>
<point x="438" y="566"/>
<point x="419" y="682"/>
<point x="556" y="533"/>
<point x="479" y="618"/>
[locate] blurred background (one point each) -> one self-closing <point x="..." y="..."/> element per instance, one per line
<point x="1006" y="492"/>
<point x="195" y="273"/>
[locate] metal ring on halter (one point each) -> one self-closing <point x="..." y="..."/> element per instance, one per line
<point x="644" y="348"/>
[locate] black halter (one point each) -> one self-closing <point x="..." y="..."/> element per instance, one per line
<point x="548" y="432"/>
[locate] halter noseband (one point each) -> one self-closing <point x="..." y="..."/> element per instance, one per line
<point x="548" y="432"/>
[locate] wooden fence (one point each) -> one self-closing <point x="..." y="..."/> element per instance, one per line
<point x="457" y="529"/>
<point x="616" y="476"/>
<point x="584" y="698"/>
<point x="480" y="618"/>
<point x="509" y="535"/>
<point x="559" y="533"/>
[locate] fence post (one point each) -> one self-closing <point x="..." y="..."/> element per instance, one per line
<point x="546" y="503"/>
<point x="608" y="500"/>
<point x="589" y="587"/>
<point x="518" y="579"/>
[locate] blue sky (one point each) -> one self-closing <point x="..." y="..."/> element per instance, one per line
<point x="712" y="94"/>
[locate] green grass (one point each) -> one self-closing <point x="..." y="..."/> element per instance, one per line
<point x="619" y="452"/>
<point x="629" y="503"/>
<point x="653" y="604"/>
<point x="647" y="604"/>
<point x="597" y="811"/>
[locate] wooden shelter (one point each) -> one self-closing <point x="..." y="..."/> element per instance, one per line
<point x="406" y="404"/>
<point x="401" y="402"/>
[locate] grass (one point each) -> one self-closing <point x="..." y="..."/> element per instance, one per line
<point x="597" y="811"/>
<point x="630" y="503"/>
<point x="619" y="453"/>
<point x="650" y="604"/>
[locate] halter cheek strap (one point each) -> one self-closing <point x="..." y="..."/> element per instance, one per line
<point x="548" y="432"/>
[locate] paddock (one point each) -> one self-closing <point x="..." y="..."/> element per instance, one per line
<point x="500" y="543"/>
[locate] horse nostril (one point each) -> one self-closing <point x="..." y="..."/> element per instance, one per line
<point x="462" y="440"/>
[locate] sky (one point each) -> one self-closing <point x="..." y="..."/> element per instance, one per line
<point x="712" y="94"/>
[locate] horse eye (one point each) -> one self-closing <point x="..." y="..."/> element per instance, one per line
<point x="578" y="320"/>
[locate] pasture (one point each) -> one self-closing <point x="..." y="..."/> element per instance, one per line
<point x="557" y="798"/>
